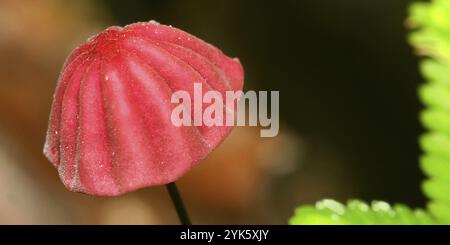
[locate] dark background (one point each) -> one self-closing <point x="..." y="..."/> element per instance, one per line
<point x="343" y="68"/>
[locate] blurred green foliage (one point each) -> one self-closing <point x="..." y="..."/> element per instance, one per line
<point x="357" y="212"/>
<point x="431" y="38"/>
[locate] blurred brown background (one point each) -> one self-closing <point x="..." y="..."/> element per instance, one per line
<point x="347" y="82"/>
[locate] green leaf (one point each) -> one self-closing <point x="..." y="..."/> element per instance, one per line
<point x="436" y="96"/>
<point x="432" y="39"/>
<point x="359" y="213"/>
<point x="435" y="72"/>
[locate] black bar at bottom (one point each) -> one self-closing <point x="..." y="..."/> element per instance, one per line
<point x="219" y="234"/>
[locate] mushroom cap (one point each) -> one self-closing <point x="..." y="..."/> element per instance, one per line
<point x="110" y="130"/>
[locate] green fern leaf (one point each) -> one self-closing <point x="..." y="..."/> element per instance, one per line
<point x="432" y="39"/>
<point x="359" y="213"/>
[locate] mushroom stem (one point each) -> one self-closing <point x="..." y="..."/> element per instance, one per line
<point x="178" y="203"/>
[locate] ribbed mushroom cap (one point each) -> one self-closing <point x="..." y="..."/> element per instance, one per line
<point x="110" y="129"/>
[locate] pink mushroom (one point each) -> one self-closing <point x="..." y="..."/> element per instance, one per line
<point x="110" y="129"/>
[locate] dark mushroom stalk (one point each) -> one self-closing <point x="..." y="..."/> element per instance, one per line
<point x="178" y="203"/>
